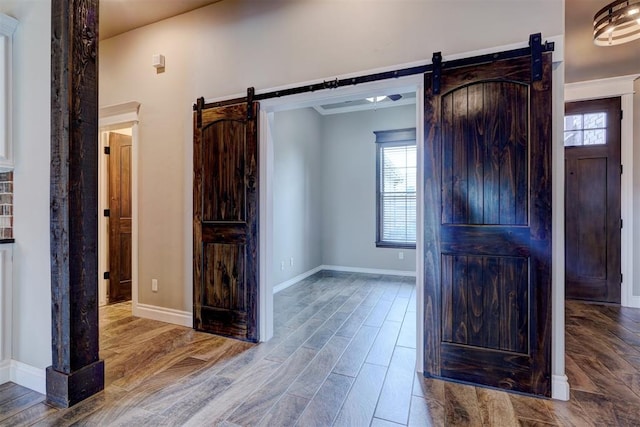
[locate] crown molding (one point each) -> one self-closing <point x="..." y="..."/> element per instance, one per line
<point x="126" y="112"/>
<point x="7" y="25"/>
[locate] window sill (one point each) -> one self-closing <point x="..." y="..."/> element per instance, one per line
<point x="395" y="245"/>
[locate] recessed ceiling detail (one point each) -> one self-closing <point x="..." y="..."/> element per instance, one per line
<point x="369" y="103"/>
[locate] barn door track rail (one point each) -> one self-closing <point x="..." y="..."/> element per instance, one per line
<point x="535" y="49"/>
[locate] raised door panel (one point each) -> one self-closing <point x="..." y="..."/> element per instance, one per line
<point x="485" y="302"/>
<point x="592" y="198"/>
<point x="223" y="196"/>
<point x="224" y="283"/>
<point x="484" y="150"/>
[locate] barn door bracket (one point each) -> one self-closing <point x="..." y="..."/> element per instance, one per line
<point x="535" y="44"/>
<point x="331" y="84"/>
<point x="251" y="93"/>
<point x="199" y="107"/>
<point x="436" y="62"/>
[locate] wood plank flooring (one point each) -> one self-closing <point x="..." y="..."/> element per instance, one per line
<point x="343" y="355"/>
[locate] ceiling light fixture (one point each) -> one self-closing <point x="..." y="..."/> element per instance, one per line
<point x="617" y="23"/>
<point x="376" y="98"/>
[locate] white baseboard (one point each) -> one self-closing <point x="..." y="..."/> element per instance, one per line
<point x="5" y="371"/>
<point x="168" y="315"/>
<point x="369" y="270"/>
<point x="24" y="375"/>
<point x="560" y="389"/>
<point x="284" y="285"/>
<point x="633" y="301"/>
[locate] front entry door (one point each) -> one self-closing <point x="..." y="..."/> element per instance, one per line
<point x="119" y="217"/>
<point x="487" y="211"/>
<point x="225" y="221"/>
<point x="592" y="200"/>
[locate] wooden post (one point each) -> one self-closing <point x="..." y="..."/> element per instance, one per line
<point x="76" y="372"/>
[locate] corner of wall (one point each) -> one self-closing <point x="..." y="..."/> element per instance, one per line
<point x="5" y="371"/>
<point x="163" y="314"/>
<point x="28" y="376"/>
<point x="24" y="375"/>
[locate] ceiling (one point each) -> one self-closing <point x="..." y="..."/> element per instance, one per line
<point x="120" y="16"/>
<point x="584" y="60"/>
<point x="376" y="101"/>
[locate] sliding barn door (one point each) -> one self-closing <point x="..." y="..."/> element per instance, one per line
<point x="225" y="221"/>
<point x="488" y="226"/>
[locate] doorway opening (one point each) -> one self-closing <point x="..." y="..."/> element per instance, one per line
<point x="117" y="205"/>
<point x="593" y="221"/>
<point x="318" y="193"/>
<point x="344" y="197"/>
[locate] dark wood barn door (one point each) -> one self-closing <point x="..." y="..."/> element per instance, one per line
<point x="592" y="200"/>
<point x="225" y="222"/>
<point x="119" y="217"/>
<point x="488" y="226"/>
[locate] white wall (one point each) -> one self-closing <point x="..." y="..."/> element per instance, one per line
<point x="226" y="47"/>
<point x="349" y="198"/>
<point x="297" y="193"/>
<point x="31" y="139"/>
<point x="165" y="139"/>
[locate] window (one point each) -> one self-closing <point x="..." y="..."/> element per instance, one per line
<point x="396" y="188"/>
<point x="7" y="27"/>
<point x="585" y="129"/>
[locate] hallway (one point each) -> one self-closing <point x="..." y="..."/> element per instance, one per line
<point x="343" y="355"/>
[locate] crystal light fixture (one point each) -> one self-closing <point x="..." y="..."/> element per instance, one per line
<point x="617" y="23"/>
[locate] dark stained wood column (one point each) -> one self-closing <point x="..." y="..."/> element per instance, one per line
<point x="76" y="372"/>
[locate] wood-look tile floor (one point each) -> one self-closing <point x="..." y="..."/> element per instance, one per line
<point x="343" y="355"/>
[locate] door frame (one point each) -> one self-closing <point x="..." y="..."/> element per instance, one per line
<point x="111" y="118"/>
<point x="609" y="88"/>
<point x="266" y="165"/>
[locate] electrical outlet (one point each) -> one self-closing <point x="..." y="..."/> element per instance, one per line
<point x="282" y="265"/>
<point x="400" y="255"/>
<point x="291" y="261"/>
<point x="154" y="285"/>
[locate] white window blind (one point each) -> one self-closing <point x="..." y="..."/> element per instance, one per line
<point x="396" y="189"/>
